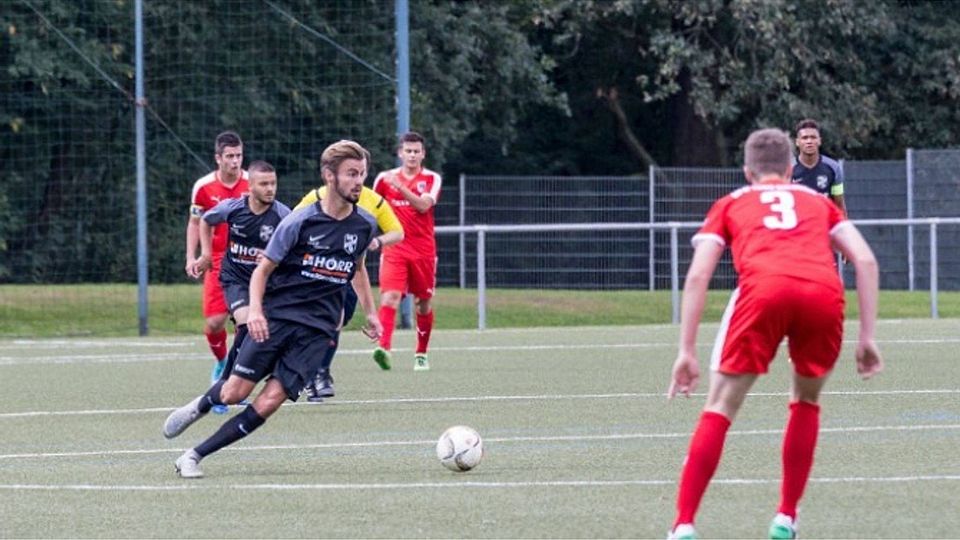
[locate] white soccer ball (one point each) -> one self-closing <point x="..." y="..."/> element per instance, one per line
<point x="460" y="448"/>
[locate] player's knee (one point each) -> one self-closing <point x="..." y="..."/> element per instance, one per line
<point x="234" y="391"/>
<point x="390" y="298"/>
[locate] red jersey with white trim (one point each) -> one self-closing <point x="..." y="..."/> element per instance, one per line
<point x="418" y="227"/>
<point x="776" y="229"/>
<point x="208" y="191"/>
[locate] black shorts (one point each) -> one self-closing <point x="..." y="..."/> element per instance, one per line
<point x="349" y="304"/>
<point x="292" y="355"/>
<point x="235" y="294"/>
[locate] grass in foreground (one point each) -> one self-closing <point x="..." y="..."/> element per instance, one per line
<point x="580" y="442"/>
<point x="111" y="310"/>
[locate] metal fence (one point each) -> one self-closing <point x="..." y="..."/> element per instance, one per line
<point x="923" y="185"/>
<point x="489" y="274"/>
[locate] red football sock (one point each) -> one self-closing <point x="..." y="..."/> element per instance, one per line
<point x="424" y="327"/>
<point x="218" y="343"/>
<point x="799" y="445"/>
<point x="388" y="318"/>
<point x="706" y="446"/>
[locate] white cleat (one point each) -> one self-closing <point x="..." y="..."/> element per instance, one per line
<point x="188" y="465"/>
<point x="180" y="419"/>
<point x="420" y="363"/>
<point x="684" y="531"/>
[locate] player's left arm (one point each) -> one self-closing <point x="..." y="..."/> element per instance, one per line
<point x="311" y="197"/>
<point x="256" y="321"/>
<point x="361" y="284"/>
<point x="836" y="188"/>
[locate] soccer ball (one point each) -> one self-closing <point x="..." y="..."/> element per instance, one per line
<point x="460" y="448"/>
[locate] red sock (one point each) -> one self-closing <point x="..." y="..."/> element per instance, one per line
<point x="218" y="343"/>
<point x="706" y="445"/>
<point x="424" y="327"/>
<point x="388" y="317"/>
<point x="799" y="445"/>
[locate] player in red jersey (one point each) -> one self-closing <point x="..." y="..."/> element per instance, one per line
<point x="782" y="236"/>
<point x="411" y="265"/>
<point x="227" y="182"/>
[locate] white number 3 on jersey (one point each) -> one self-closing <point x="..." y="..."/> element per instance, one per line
<point x="782" y="203"/>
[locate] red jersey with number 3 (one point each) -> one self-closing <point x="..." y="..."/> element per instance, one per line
<point x="776" y="230"/>
<point x="208" y="191"/>
<point x="418" y="227"/>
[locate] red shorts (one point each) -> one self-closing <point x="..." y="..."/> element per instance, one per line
<point x="213" y="301"/>
<point x="759" y="315"/>
<point x="408" y="274"/>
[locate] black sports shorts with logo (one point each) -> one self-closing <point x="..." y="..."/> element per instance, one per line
<point x="237" y="295"/>
<point x="292" y="355"/>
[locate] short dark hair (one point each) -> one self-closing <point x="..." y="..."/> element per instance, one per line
<point x="261" y="166"/>
<point x="225" y="139"/>
<point x="411" y="137"/>
<point x="806" y="123"/>
<point x="767" y="151"/>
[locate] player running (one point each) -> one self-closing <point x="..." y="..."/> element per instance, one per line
<point x="251" y="219"/>
<point x="229" y="181"/>
<point x="411" y="265"/>
<point x="391" y="232"/>
<point x="313" y="254"/>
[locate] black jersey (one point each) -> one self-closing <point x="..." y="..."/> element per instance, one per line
<point x="316" y="257"/>
<point x="249" y="234"/>
<point x="825" y="177"/>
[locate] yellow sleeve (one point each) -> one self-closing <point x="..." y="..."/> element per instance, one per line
<point x="311" y="197"/>
<point x="372" y="202"/>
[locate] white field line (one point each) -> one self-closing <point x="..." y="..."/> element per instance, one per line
<point x="195" y="486"/>
<point x="127" y="358"/>
<point x="467" y="399"/>
<point x="124" y="358"/>
<point x="430" y="443"/>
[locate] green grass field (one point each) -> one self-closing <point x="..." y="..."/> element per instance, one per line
<point x="580" y="442"/>
<point x="111" y="310"/>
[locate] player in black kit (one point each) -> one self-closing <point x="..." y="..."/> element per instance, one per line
<point x="815" y="170"/>
<point x="296" y="306"/>
<point x="252" y="219"/>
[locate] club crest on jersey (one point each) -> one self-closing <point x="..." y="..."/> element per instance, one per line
<point x="350" y="243"/>
<point x="266" y="231"/>
<point x="822" y="181"/>
<point x="421" y="186"/>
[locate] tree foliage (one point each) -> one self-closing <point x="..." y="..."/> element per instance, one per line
<point x="531" y="86"/>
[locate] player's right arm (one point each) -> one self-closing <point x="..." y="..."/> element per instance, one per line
<point x="193" y="239"/>
<point x="206" y="224"/>
<point x="686" y="368"/>
<point x="848" y="240"/>
<point x="193" y="223"/>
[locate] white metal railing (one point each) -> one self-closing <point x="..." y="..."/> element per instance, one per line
<point x="673" y="227"/>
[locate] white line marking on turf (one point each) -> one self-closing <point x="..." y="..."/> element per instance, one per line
<point x="431" y="442"/>
<point x="126" y="358"/>
<point x="192" y="486"/>
<point x="461" y="399"/>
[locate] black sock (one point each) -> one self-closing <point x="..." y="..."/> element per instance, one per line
<point x="238" y="338"/>
<point x="331" y="352"/>
<point x="231" y="431"/>
<point x="212" y="397"/>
